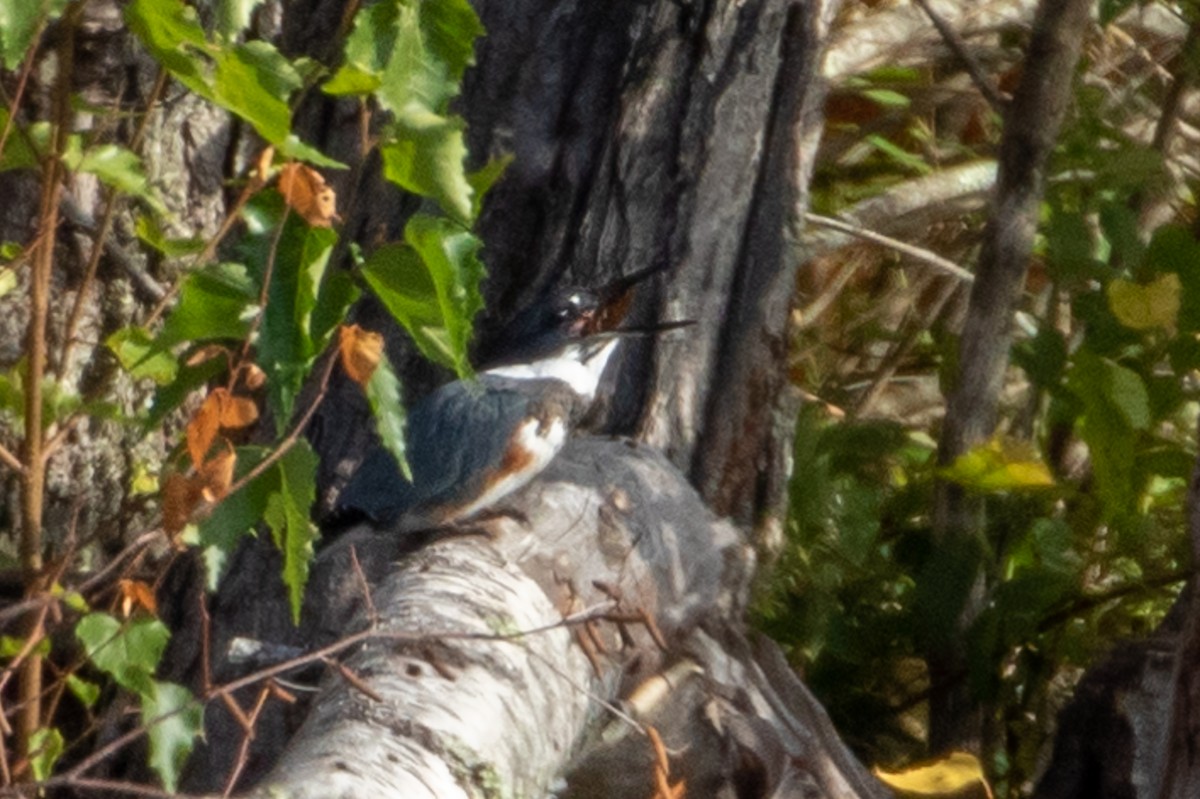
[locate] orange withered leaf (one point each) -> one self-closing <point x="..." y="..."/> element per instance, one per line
<point x="180" y="495"/>
<point x="135" y="595"/>
<point x="216" y="475"/>
<point x="203" y="426"/>
<point x="360" y="350"/>
<point x="306" y="192"/>
<point x="236" y="411"/>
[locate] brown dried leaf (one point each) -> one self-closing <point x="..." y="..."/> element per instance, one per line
<point x="206" y="353"/>
<point x="237" y="411"/>
<point x="361" y="351"/>
<point x="136" y="594"/>
<point x="253" y="377"/>
<point x="203" y="426"/>
<point x="216" y="475"/>
<point x="305" y="191"/>
<point x="180" y="495"/>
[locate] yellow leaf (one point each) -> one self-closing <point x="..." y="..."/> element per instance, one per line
<point x="1002" y="464"/>
<point x="947" y="776"/>
<point x="1146" y="306"/>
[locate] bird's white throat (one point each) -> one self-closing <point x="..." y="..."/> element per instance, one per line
<point x="580" y="365"/>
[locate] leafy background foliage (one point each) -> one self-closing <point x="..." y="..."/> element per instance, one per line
<point x="257" y="308"/>
<point x="1085" y="540"/>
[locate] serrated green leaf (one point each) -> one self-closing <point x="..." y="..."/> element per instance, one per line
<point x="174" y="719"/>
<point x="484" y="178"/>
<point x="86" y="692"/>
<point x="254" y="81"/>
<point x="286" y="346"/>
<point x="383" y="394"/>
<point x="20" y="23"/>
<point x="45" y="747"/>
<point x="433" y="45"/>
<point x="213" y="304"/>
<point x="142" y="356"/>
<point x="368" y="49"/>
<point x="287" y="515"/>
<point x="129" y="652"/>
<point x="337" y="293"/>
<point x="425" y="156"/>
<point x="237" y="514"/>
<point x="431" y="287"/>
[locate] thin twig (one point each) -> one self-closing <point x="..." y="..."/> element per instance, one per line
<point x="11" y="461"/>
<point x="918" y="253"/>
<point x="959" y="48"/>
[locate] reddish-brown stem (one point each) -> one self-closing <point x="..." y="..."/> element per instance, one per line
<point x="33" y="479"/>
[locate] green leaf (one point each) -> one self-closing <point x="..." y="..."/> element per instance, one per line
<point x="149" y="231"/>
<point x="20" y="23"/>
<point x="426" y="157"/>
<point x="482" y="180"/>
<point x="383" y="394"/>
<point x="1044" y="357"/>
<point x="886" y="98"/>
<point x="431" y="287"/>
<point x="237" y="514"/>
<point x="287" y="515"/>
<point x="1173" y="250"/>
<point x="8" y="280"/>
<point x="433" y="44"/>
<point x="142" y="356"/>
<point x="115" y="166"/>
<point x="189" y="378"/>
<point x="337" y="293"/>
<point x="233" y="16"/>
<point x="171" y="32"/>
<point x="368" y="49"/>
<point x="86" y="692"/>
<point x="174" y="719"/>
<point x="10" y="646"/>
<point x="254" y="81"/>
<point x="899" y="156"/>
<point x="129" y="652"/>
<point x="1116" y="406"/>
<point x="286" y="346"/>
<point x="17" y="151"/>
<point x="45" y="747"/>
<point x="213" y="304"/>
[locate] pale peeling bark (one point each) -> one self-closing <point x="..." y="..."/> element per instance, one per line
<point x="481" y="691"/>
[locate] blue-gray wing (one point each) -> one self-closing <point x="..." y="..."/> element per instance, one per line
<point x="456" y="436"/>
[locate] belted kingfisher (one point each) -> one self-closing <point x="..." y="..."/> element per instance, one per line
<point x="473" y="442"/>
